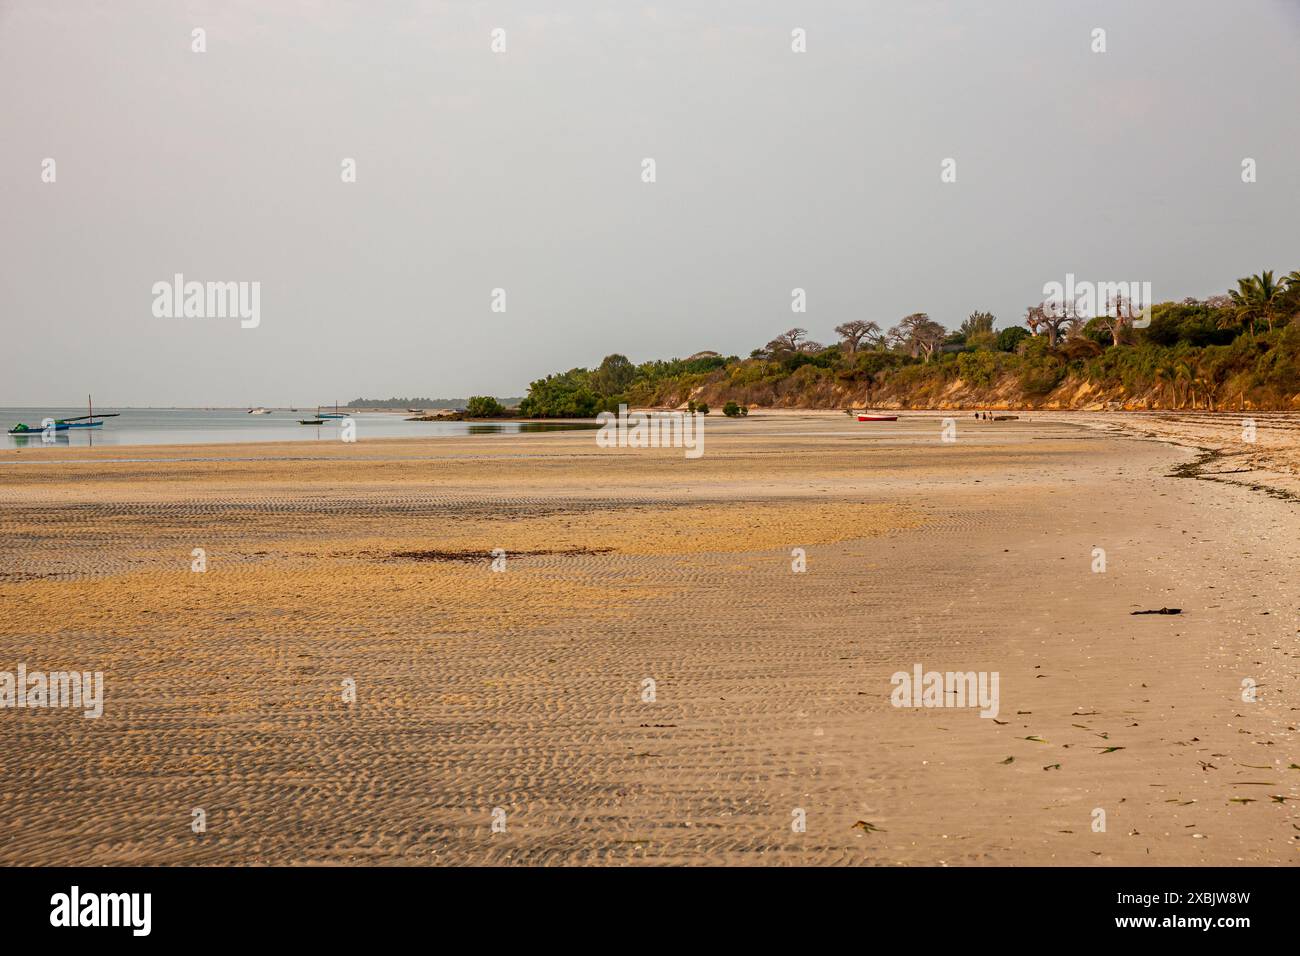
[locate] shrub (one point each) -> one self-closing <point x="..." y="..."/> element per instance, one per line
<point x="1009" y="338"/>
<point x="980" y="369"/>
<point x="566" y="395"/>
<point x="731" y="410"/>
<point x="484" y="406"/>
<point x="1080" y="349"/>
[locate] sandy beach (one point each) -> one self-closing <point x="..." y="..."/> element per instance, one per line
<point x="524" y="689"/>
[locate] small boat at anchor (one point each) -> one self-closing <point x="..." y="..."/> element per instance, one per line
<point x="64" y="424"/>
<point x="22" y="429"/>
<point x="866" y="417"/>
<point x="311" y="421"/>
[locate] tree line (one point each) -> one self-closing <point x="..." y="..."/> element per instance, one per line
<point x="1192" y="352"/>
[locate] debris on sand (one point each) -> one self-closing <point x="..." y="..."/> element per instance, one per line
<point x="866" y="827"/>
<point x="1163" y="610"/>
<point x="475" y="556"/>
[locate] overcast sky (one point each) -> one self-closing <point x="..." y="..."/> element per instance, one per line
<point x="523" y="171"/>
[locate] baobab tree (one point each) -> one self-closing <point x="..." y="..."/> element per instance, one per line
<point x="788" y="341"/>
<point x="856" y="332"/>
<point x="918" y="333"/>
<point x="1117" y="317"/>
<point x="1050" y="319"/>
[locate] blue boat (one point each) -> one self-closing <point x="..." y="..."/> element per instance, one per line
<point x="21" y="429"/>
<point x="63" y="424"/>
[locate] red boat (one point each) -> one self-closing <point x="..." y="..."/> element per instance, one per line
<point x="877" y="418"/>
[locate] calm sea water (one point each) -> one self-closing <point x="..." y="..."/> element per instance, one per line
<point x="196" y="426"/>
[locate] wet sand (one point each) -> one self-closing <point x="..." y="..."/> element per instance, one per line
<point x="522" y="689"/>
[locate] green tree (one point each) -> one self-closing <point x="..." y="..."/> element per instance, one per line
<point x="565" y="395"/>
<point x="1010" y="338"/>
<point x="614" y="375"/>
<point x="977" y="322"/>
<point x="1257" y="297"/>
<point x="484" y="406"/>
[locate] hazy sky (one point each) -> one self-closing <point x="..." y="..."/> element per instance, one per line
<point x="478" y="170"/>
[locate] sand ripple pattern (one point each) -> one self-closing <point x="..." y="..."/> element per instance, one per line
<point x="523" y="689"/>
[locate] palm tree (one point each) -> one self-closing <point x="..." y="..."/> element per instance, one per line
<point x="1257" y="297"/>
<point x="1292" y="300"/>
<point x="1167" y="378"/>
<point x="1185" y="374"/>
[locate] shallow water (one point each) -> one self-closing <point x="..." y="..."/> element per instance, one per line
<point x="198" y="426"/>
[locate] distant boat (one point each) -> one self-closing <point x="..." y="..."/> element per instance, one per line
<point x="416" y="411"/>
<point x="259" y="411"/>
<point x="335" y="414"/>
<point x="311" y="421"/>
<point x="862" y="417"/>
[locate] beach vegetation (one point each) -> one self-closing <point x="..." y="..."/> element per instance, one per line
<point x="1240" y="348"/>
<point x="484" y="406"/>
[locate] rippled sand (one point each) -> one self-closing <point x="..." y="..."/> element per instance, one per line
<point x="523" y="689"/>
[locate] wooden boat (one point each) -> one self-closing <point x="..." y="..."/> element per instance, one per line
<point x="311" y="421"/>
<point x="863" y="417"/>
<point x="21" y="429"/>
<point x="63" y="424"/>
<point x="60" y="426"/>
